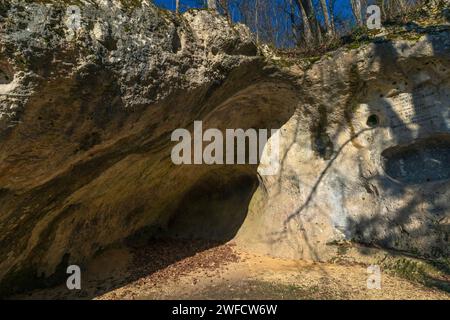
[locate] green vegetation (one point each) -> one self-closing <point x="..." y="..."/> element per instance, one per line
<point x="431" y="273"/>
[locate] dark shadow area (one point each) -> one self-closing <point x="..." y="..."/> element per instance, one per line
<point x="193" y="238"/>
<point x="6" y="73"/>
<point x="446" y="13"/>
<point x="426" y="160"/>
<point x="418" y="165"/>
<point x="207" y="217"/>
<point x="5" y="78"/>
<point x="214" y="208"/>
<point x="152" y="261"/>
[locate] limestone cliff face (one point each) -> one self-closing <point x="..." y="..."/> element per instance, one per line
<point x="87" y="108"/>
<point x="90" y="95"/>
<point x="366" y="158"/>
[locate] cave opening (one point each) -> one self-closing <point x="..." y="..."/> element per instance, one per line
<point x="373" y="121"/>
<point x="198" y="232"/>
<point x="213" y="209"/>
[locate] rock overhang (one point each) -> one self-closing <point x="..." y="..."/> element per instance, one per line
<point x="97" y="174"/>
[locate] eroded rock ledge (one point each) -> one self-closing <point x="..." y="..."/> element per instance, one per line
<point x="86" y="118"/>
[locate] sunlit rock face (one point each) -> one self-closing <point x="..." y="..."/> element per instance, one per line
<point x="366" y="158"/>
<point x="89" y="97"/>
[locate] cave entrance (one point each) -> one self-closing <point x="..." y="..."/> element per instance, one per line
<point x="214" y="208"/>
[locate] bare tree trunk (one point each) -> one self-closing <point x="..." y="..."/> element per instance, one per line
<point x="307" y="30"/>
<point x="256" y="20"/>
<point x="275" y="31"/>
<point x="310" y="23"/>
<point x="224" y="5"/>
<point x="177" y="6"/>
<point x="356" y="8"/>
<point x="212" y="5"/>
<point x="333" y="26"/>
<point x="315" y="22"/>
<point x="292" y="18"/>
<point x="382" y="5"/>
<point x="403" y="6"/>
<point x="326" y="15"/>
<point x="244" y="10"/>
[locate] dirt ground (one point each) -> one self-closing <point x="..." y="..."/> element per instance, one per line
<point x="197" y="270"/>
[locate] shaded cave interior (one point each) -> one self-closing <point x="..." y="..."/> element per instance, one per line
<point x="213" y="209"/>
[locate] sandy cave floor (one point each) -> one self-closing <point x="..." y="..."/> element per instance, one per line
<point x="169" y="269"/>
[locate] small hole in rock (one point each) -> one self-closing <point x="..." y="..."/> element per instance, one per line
<point x="373" y="120"/>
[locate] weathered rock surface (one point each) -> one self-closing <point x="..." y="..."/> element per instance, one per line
<point x="86" y="119"/>
<point x="87" y="110"/>
<point x="367" y="156"/>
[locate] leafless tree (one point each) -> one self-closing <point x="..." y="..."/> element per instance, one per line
<point x="212" y="5"/>
<point x="224" y="6"/>
<point x="327" y="18"/>
<point x="356" y="8"/>
<point x="311" y="26"/>
<point x="306" y="24"/>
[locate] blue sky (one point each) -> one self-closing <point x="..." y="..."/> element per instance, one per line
<point x="342" y="7"/>
<point x="342" y="10"/>
<point x="170" y="4"/>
